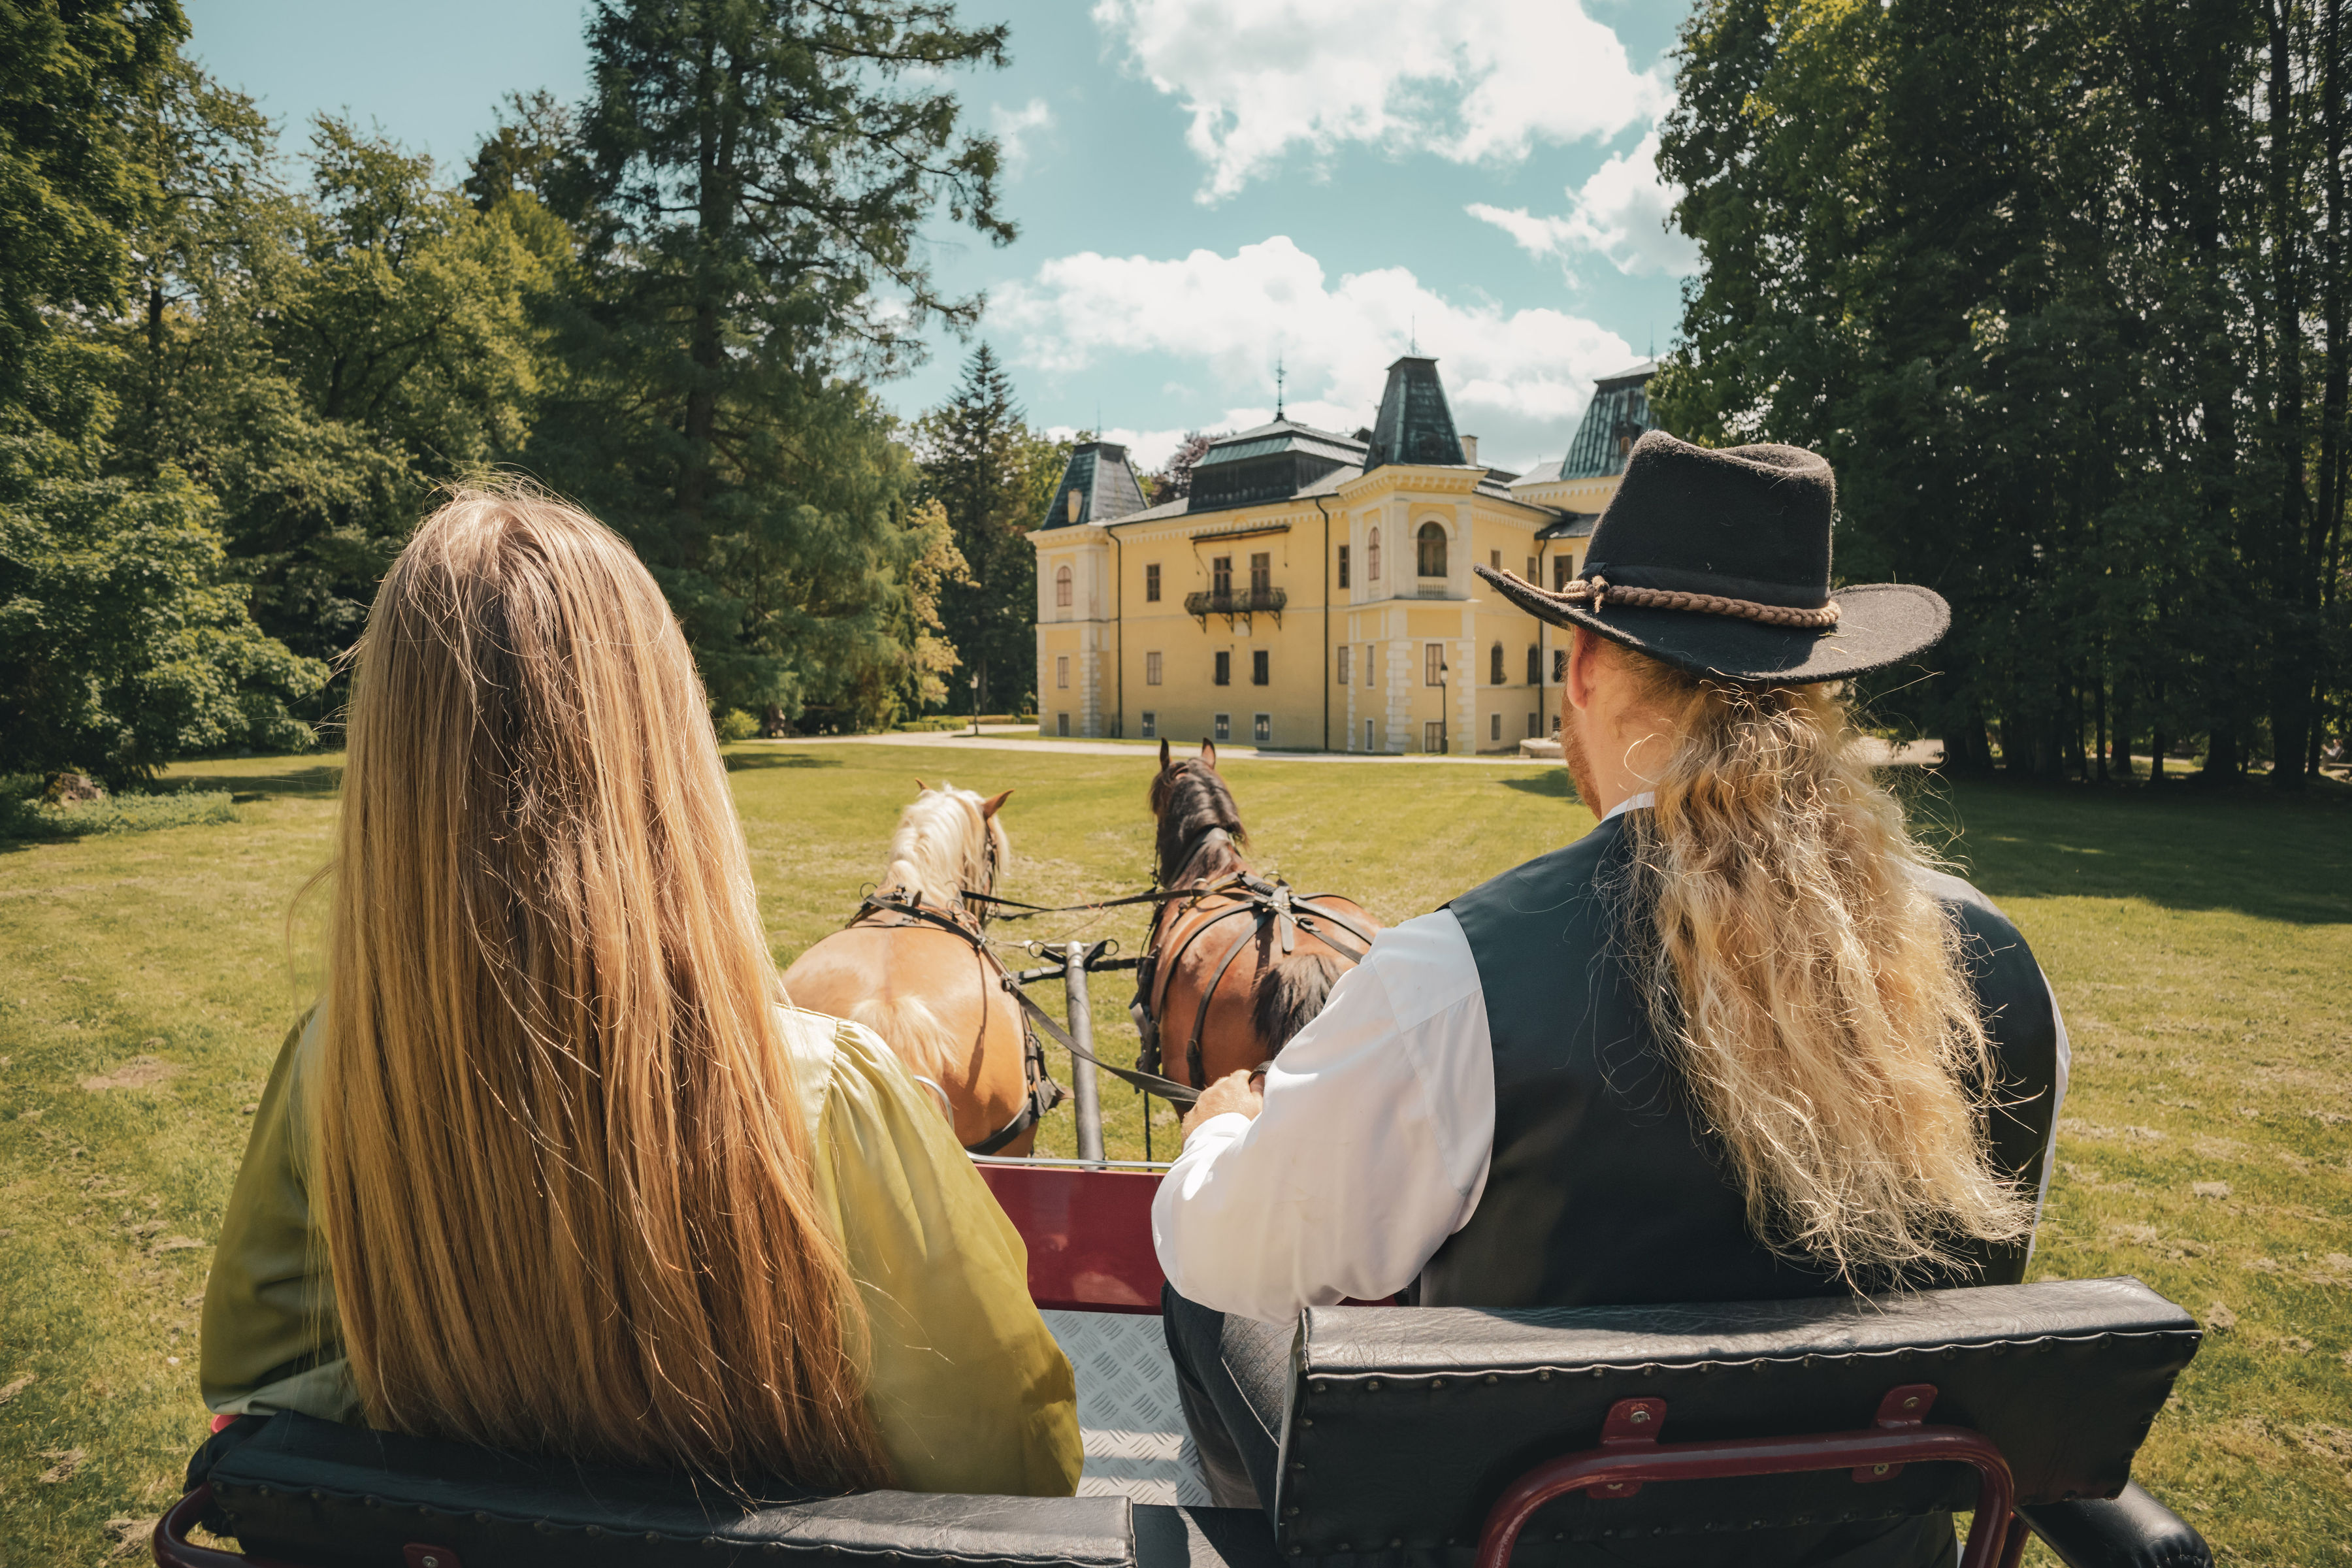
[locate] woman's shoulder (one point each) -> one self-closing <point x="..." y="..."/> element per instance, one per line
<point x="845" y="1070"/>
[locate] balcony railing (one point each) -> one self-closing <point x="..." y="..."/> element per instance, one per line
<point x="1230" y="603"/>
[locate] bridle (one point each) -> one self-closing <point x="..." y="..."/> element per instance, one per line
<point x="908" y="910"/>
<point x="1267" y="903"/>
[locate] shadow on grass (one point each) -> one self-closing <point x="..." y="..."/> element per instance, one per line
<point x="1552" y="785"/>
<point x="2178" y="847"/>
<point x="324" y="779"/>
<point x="754" y="762"/>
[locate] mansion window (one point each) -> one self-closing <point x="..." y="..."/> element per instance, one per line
<point x="1535" y="726"/>
<point x="1225" y="727"/>
<point x="1259" y="660"/>
<point x="1343" y="565"/>
<point x="1225" y="669"/>
<point x="1494" y="666"/>
<point x="1221" y="575"/>
<point x="1433" y="735"/>
<point x="1533" y="575"/>
<point x="1152" y="583"/>
<point x="1151" y="669"/>
<point x="1345" y="651"/>
<point x="1061" y="723"/>
<point x="1563" y="567"/>
<point x="1372" y="557"/>
<point x="1493" y="561"/>
<point x="1535" y="664"/>
<point x="1432" y="542"/>
<point x="1371" y="666"/>
<point x="1062" y="587"/>
<point x="1433" y="664"/>
<point x="1494" y="726"/>
<point x="1262" y="728"/>
<point x="1151" y="725"/>
<point x="1062" y="671"/>
<point x="1262" y="572"/>
<point x="1367" y="734"/>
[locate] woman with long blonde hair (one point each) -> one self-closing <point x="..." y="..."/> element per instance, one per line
<point x="553" y="1166"/>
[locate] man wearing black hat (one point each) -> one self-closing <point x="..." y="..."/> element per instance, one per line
<point x="1740" y="1042"/>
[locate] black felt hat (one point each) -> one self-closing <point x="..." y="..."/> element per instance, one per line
<point x="1718" y="561"/>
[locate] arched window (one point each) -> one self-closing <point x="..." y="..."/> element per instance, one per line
<point x="1494" y="665"/>
<point x="1432" y="550"/>
<point x="1061" y="587"/>
<point x="1372" y="557"/>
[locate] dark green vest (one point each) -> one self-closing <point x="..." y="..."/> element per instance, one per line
<point x="1601" y="1190"/>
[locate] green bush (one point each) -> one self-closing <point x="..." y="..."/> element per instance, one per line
<point x="23" y="817"/>
<point x="735" y="724"/>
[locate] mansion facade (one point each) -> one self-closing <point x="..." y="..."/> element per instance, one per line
<point x="1314" y="590"/>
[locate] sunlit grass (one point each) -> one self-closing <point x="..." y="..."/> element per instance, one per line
<point x="2199" y="946"/>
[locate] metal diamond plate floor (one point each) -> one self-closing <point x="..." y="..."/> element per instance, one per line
<point x="1136" y="1442"/>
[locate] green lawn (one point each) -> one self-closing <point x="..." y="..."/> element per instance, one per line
<point x="2199" y="946"/>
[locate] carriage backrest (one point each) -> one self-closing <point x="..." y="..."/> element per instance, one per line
<point x="327" y="1495"/>
<point x="1405" y="1425"/>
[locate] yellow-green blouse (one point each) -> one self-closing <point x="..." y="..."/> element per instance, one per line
<point x="969" y="1388"/>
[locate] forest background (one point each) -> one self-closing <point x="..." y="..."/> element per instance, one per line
<point x="231" y="384"/>
<point x="2058" y="284"/>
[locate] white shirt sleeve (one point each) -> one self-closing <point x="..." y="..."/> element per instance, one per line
<point x="1372" y="1149"/>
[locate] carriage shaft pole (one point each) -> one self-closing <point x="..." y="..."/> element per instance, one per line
<point x="1085" y="1092"/>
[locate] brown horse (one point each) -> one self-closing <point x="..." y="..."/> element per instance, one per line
<point x="1236" y="970"/>
<point x="911" y="965"/>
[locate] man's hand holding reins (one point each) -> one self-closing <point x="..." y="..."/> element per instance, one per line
<point x="1237" y="1091"/>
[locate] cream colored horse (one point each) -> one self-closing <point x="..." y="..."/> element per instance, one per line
<point x="931" y="993"/>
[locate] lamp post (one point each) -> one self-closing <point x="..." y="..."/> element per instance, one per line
<point x="975" y="705"/>
<point x="1444" y="712"/>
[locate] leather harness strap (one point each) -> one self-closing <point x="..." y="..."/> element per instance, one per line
<point x="1044" y="1092"/>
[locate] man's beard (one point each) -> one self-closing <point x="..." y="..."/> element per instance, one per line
<point x="1578" y="760"/>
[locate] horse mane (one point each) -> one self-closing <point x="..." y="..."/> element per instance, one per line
<point x="940" y="847"/>
<point x="1189" y="798"/>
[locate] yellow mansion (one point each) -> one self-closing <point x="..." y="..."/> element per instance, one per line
<point x="1314" y="590"/>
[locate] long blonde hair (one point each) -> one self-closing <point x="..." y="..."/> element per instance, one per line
<point x="561" y="1163"/>
<point x="1812" y="989"/>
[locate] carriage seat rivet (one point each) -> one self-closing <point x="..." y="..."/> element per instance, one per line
<point x="1878" y="1470"/>
<point x="1912" y="1403"/>
<point x="1492" y="1378"/>
<point x="1544" y="1376"/>
<point x="1290" y="1513"/>
<point x="1374" y="1387"/>
<point x="1639" y="1413"/>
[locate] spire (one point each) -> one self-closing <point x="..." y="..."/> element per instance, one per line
<point x="1415" y="423"/>
<point x="1277" y="386"/>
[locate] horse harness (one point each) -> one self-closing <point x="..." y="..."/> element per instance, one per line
<point x="1044" y="1093"/>
<point x="1267" y="903"/>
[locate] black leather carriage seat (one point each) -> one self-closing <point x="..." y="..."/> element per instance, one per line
<point x="1405" y="1425"/>
<point x="1402" y="1427"/>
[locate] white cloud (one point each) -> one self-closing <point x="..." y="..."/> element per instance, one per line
<point x="1468" y="79"/>
<point x="1013" y="127"/>
<point x="1518" y="379"/>
<point x="1624" y="211"/>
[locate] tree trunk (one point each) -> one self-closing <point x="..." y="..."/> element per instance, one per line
<point x="2290" y="673"/>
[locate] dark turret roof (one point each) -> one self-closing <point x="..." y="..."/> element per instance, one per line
<point x="1415" y="423"/>
<point x="1613" y="421"/>
<point x="1104" y="482"/>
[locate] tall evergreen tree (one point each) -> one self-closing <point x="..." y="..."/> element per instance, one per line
<point x="984" y="465"/>
<point x="752" y="181"/>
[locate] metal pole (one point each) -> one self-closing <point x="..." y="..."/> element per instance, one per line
<point x="1083" y="1088"/>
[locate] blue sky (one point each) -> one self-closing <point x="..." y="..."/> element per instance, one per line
<point x="1203" y="187"/>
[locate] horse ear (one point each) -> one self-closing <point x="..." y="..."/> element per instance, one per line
<point x="1163" y="754"/>
<point x="922" y="788"/>
<point x="988" y="807"/>
<point x="1209" y="755"/>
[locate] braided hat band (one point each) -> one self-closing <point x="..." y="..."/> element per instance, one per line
<point x="1596" y="594"/>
